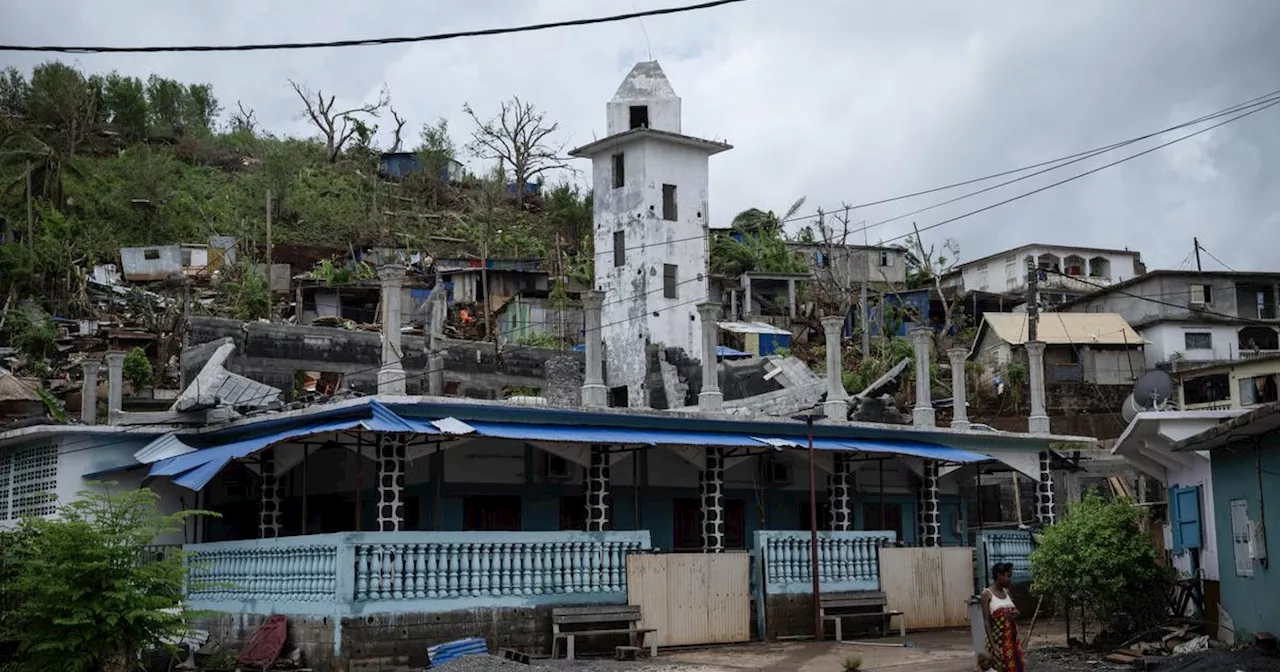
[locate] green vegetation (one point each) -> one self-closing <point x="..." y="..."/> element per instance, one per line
<point x="84" y="599"/>
<point x="117" y="161"/>
<point x="1099" y="560"/>
<point x="137" y="369"/>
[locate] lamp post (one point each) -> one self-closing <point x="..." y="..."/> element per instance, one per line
<point x="810" y="418"/>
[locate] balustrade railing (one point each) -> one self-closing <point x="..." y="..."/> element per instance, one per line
<point x="846" y="560"/>
<point x="391" y="570"/>
<point x="1011" y="546"/>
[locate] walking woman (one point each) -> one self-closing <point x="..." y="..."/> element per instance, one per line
<point x="999" y="612"/>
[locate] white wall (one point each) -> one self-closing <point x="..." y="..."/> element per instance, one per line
<point x="1167" y="338"/>
<point x="1190" y="476"/>
<point x="634" y="290"/>
<point x="1008" y="273"/>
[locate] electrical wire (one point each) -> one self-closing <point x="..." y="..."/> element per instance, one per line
<point x="1220" y="262"/>
<point x="1086" y="173"/>
<point x="1258" y="100"/>
<point x="435" y="37"/>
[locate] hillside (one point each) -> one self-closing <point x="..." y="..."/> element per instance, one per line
<point x="115" y="161"/>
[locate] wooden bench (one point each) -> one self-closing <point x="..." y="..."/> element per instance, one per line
<point x="602" y="620"/>
<point x="870" y="604"/>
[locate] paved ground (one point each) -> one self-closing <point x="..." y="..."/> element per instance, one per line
<point x="947" y="651"/>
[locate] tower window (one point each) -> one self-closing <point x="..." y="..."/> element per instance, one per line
<point x="619" y="170"/>
<point x="639" y="116"/>
<point x="669" y="280"/>
<point x="669" y="202"/>
<point x="619" y="248"/>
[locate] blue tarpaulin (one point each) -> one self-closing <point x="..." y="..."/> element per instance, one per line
<point x="618" y="435"/>
<point x="930" y="451"/>
<point x="443" y="653"/>
<point x="194" y="470"/>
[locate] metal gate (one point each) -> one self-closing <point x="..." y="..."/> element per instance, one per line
<point x="692" y="598"/>
<point x="932" y="586"/>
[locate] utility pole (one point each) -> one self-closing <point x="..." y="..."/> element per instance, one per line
<point x="1033" y="300"/>
<point x="1196" y="242"/>
<point x="863" y="312"/>
<point x="268" y="238"/>
<point x="31" y="212"/>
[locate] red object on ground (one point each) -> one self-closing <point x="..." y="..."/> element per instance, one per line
<point x="264" y="647"/>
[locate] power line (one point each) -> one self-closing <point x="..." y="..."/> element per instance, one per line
<point x="1149" y="299"/>
<point x="1069" y="159"/>
<point x="1220" y="262"/>
<point x="435" y="37"/>
<point x="1086" y="173"/>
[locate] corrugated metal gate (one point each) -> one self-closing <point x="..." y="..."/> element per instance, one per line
<point x="692" y="598"/>
<point x="931" y="586"/>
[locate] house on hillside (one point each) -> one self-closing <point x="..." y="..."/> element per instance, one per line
<point x="1097" y="348"/>
<point x="1243" y="454"/>
<point x="881" y="267"/>
<point x="1240" y="384"/>
<point x="1070" y="271"/>
<point x="1194" y="316"/>
<point x="401" y="164"/>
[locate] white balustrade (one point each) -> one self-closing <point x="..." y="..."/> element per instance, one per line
<point x="846" y="560"/>
<point x="263" y="570"/>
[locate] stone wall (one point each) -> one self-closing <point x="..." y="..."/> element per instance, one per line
<point x="400" y="641"/>
<point x="273" y="353"/>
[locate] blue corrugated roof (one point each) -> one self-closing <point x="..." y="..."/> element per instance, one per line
<point x="620" y="435"/>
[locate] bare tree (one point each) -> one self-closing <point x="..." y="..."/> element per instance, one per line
<point x="337" y="127"/>
<point x="838" y="270"/>
<point x="926" y="268"/>
<point x="519" y="136"/>
<point x="397" y="141"/>
<point x="243" y="119"/>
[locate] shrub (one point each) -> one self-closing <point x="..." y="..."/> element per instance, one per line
<point x="137" y="369"/>
<point x="32" y="334"/>
<point x="1098" y="559"/>
<point x="852" y="662"/>
<point x="538" y="339"/>
<point x="84" y="599"/>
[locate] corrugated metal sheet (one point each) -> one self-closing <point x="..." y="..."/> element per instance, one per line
<point x="751" y="328"/>
<point x="692" y="598"/>
<point x="1065" y="328"/>
<point x="443" y="653"/>
<point x="931" y="586"/>
<point x="162" y="448"/>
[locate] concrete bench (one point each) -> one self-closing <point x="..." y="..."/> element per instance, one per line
<point x="569" y="623"/>
<point x="869" y="604"/>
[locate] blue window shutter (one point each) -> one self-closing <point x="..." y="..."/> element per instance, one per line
<point x="1189" y="517"/>
<point x="1174" y="525"/>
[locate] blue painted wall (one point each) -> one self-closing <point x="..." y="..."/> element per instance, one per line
<point x="1251" y="601"/>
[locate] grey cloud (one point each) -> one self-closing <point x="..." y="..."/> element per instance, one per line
<point x="835" y="100"/>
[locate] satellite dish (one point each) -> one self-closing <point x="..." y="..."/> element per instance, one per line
<point x="1152" y="391"/>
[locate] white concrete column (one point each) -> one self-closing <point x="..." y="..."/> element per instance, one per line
<point x="89" y="392"/>
<point x="710" y="399"/>
<point x="391" y="450"/>
<point x="594" y="393"/>
<point x="923" y="415"/>
<point x="791" y="298"/>
<point x="1044" y="490"/>
<point x="746" y="298"/>
<point x="597" y="489"/>
<point x="711" y="489"/>
<point x="1038" y="423"/>
<point x="837" y="405"/>
<point x="115" y="385"/>
<point x="839" y="492"/>
<point x="930" y="515"/>
<point x="271" y="496"/>
<point x="391" y="374"/>
<point x="959" y="393"/>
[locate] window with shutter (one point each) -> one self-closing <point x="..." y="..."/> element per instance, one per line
<point x="1184" y="518"/>
<point x="1240" y="537"/>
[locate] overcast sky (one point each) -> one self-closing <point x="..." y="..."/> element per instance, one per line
<point x="840" y="101"/>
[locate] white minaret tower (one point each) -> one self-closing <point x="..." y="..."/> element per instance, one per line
<point x="650" y="201"/>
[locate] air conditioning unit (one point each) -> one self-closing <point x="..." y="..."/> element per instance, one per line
<point x="556" y="468"/>
<point x="777" y="473"/>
